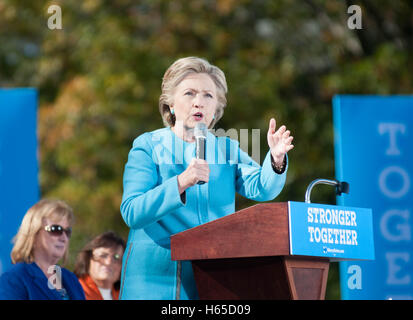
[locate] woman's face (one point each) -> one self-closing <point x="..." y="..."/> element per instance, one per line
<point x="51" y="246"/>
<point x="195" y="100"/>
<point x="105" y="266"/>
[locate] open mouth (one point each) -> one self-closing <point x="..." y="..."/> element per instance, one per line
<point x="198" y="116"/>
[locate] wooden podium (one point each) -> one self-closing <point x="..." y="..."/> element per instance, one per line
<point x="246" y="255"/>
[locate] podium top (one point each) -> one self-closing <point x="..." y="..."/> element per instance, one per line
<point x="260" y="230"/>
<point x="280" y="229"/>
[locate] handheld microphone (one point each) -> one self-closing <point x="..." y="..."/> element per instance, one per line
<point x="200" y="133"/>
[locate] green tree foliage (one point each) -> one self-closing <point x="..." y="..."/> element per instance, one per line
<point x="99" y="82"/>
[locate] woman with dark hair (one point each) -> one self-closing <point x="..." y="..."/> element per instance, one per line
<point x="98" y="267"/>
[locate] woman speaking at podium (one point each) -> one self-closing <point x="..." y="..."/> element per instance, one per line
<point x="168" y="190"/>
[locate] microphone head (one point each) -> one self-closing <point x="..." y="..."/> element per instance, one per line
<point x="200" y="130"/>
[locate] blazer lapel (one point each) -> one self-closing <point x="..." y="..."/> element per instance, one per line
<point x="41" y="282"/>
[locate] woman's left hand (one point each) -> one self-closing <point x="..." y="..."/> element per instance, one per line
<point x="279" y="142"/>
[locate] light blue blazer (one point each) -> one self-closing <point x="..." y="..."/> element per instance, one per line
<point x="154" y="210"/>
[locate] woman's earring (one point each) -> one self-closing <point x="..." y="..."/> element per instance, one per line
<point x="213" y="117"/>
<point x="172" y="111"/>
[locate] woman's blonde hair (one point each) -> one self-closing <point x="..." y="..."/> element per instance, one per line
<point x="177" y="72"/>
<point x="32" y="222"/>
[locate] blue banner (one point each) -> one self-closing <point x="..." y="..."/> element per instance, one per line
<point x="330" y="231"/>
<point x="19" y="188"/>
<point x="373" y="153"/>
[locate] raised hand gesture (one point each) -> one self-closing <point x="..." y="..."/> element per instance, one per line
<point x="279" y="142"/>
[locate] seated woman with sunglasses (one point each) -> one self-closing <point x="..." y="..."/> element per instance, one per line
<point x="98" y="266"/>
<point x="42" y="240"/>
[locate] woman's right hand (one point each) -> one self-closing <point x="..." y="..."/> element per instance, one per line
<point x="198" y="170"/>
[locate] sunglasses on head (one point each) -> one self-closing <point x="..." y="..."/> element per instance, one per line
<point x="57" y="230"/>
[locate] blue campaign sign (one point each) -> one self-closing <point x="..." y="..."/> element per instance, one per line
<point x="373" y="153"/>
<point x="330" y="231"/>
<point x="19" y="188"/>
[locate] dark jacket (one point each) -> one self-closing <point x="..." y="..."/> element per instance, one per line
<point x="26" y="281"/>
